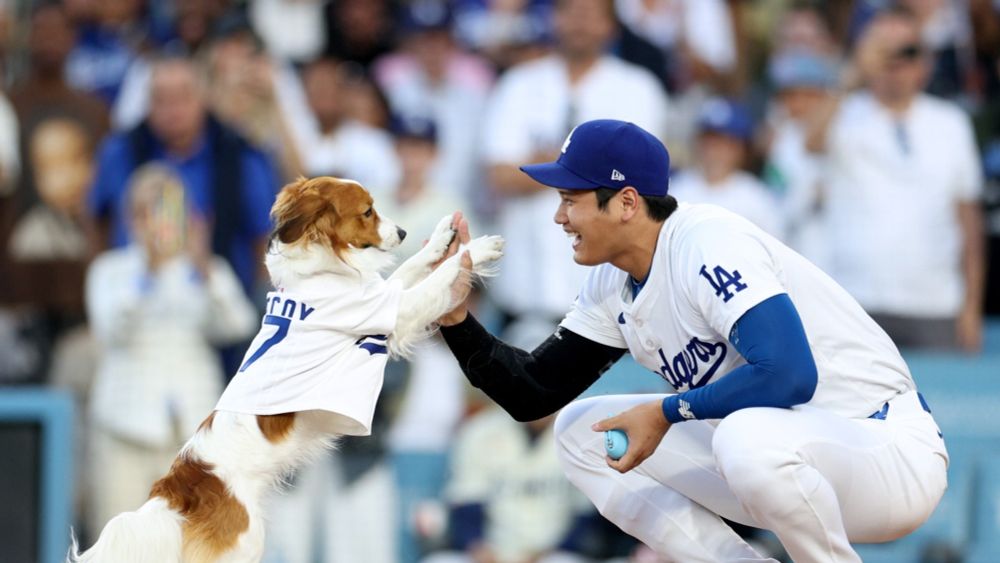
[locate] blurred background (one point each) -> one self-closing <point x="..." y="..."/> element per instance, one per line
<point x="142" y="143"/>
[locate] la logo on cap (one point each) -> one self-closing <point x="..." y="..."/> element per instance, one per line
<point x="617" y="176"/>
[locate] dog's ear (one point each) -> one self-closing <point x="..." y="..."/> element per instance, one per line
<point x="299" y="209"/>
<point x="306" y="209"/>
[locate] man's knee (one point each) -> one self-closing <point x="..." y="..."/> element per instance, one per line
<point x="750" y="453"/>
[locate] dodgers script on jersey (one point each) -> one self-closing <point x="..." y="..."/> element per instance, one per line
<point x="321" y="346"/>
<point x="709" y="268"/>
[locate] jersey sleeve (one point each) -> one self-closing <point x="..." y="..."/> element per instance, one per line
<point x="728" y="269"/>
<point x="593" y="315"/>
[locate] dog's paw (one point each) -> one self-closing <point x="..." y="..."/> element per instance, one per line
<point x="442" y="236"/>
<point x="484" y="251"/>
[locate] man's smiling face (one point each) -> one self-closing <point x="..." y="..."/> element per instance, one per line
<point x="591" y="228"/>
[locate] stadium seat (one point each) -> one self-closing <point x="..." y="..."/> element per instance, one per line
<point x="991" y="335"/>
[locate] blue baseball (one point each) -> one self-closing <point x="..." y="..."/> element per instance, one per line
<point x="615" y="443"/>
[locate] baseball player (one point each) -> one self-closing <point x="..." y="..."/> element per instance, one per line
<point x="794" y="411"/>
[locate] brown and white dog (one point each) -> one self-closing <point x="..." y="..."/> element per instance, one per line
<point x="208" y="508"/>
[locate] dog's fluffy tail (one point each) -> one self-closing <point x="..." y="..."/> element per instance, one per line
<point x="151" y="534"/>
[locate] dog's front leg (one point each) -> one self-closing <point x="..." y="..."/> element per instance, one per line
<point x="420" y="264"/>
<point x="423" y="304"/>
<point x="431" y="298"/>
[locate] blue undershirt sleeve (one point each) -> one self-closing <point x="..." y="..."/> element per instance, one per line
<point x="780" y="370"/>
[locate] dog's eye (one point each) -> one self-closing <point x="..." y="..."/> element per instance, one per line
<point x="368" y="213"/>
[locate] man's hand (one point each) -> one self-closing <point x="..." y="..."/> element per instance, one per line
<point x="645" y="426"/>
<point x="462" y="285"/>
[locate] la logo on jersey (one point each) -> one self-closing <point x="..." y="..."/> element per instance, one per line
<point x="721" y="280"/>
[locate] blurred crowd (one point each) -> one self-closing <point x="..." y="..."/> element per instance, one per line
<point x="142" y="143"/>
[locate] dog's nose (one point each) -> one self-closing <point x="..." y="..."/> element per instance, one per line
<point x="401" y="233"/>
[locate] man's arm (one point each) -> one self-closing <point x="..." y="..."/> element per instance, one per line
<point x="970" y="317"/>
<point x="527" y="385"/>
<point x="780" y="370"/>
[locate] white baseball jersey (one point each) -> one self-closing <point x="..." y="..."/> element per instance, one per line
<point x="709" y="268"/>
<point x="321" y="346"/>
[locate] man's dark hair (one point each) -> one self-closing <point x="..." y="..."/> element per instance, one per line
<point x="657" y="208"/>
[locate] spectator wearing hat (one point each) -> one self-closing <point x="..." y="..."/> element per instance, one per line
<point x="532" y="110"/>
<point x="328" y="140"/>
<point x="431" y="75"/>
<point x="506" y="33"/>
<point x="432" y="399"/>
<point x="802" y="82"/>
<point x="904" y="184"/>
<point x="417" y="203"/>
<point x="725" y="130"/>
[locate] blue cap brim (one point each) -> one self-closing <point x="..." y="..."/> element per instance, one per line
<point x="556" y="175"/>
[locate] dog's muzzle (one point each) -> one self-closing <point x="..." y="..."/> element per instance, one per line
<point x="401" y="233"/>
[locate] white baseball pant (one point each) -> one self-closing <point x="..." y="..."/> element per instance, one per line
<point x="816" y="479"/>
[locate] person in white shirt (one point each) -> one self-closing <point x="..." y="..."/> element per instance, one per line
<point x="903" y="184"/>
<point x="786" y="391"/>
<point x="701" y="29"/>
<point x="534" y="106"/>
<point x="156" y="307"/>
<point x="327" y="141"/>
<point x="431" y="76"/>
<point x="802" y="80"/>
<point x="725" y="130"/>
<point x="432" y="402"/>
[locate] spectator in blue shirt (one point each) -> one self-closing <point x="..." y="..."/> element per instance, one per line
<point x="228" y="180"/>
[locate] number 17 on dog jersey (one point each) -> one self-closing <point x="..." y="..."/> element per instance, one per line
<point x="319" y="349"/>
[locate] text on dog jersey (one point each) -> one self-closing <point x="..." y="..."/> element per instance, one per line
<point x="288" y="308"/>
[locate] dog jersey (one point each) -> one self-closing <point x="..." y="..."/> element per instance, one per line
<point x="710" y="267"/>
<point x="321" y="346"/>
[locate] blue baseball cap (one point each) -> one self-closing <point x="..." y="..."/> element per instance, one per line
<point x="425" y="15"/>
<point x="607" y="153"/>
<point x="802" y="69"/>
<point x="412" y="126"/>
<point x="727" y="117"/>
